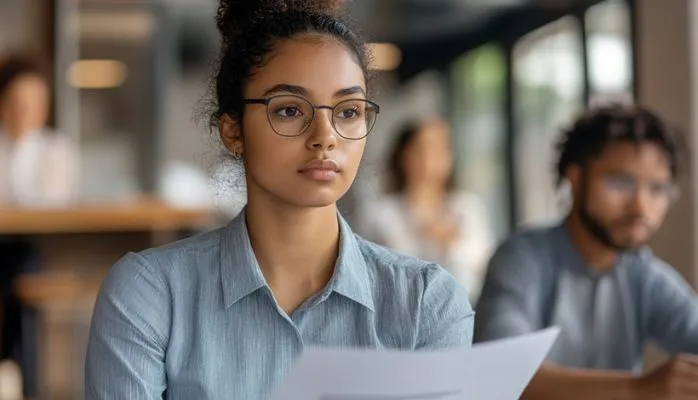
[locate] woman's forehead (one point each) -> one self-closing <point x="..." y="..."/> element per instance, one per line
<point x="321" y="66"/>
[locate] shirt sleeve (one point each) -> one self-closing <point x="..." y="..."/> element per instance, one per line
<point x="446" y="317"/>
<point x="510" y="303"/>
<point x="128" y="335"/>
<point x="673" y="310"/>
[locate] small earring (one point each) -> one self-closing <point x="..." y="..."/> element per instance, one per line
<point x="237" y="154"/>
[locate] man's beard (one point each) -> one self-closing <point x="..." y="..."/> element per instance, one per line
<point x="600" y="232"/>
<point x="597" y="230"/>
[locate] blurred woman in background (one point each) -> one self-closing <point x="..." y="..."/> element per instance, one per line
<point x="36" y="165"/>
<point x="423" y="215"/>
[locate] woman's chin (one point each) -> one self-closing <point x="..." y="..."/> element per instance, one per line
<point x="314" y="200"/>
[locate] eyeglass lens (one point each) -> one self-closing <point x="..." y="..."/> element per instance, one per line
<point x="292" y="115"/>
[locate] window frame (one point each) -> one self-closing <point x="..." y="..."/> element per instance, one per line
<point x="508" y="44"/>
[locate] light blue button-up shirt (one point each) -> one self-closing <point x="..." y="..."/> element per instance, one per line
<point x="196" y="319"/>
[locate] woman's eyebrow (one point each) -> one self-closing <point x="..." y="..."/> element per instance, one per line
<point x="301" y="91"/>
<point x="349" y="91"/>
<point x="286" y="88"/>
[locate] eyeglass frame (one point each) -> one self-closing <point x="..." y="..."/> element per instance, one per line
<point x="632" y="186"/>
<point x="267" y="100"/>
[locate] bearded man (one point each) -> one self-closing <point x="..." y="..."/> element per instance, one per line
<point x="594" y="276"/>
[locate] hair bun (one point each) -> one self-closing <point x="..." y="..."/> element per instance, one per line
<point x="234" y="16"/>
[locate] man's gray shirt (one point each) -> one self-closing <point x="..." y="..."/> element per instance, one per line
<point x="537" y="279"/>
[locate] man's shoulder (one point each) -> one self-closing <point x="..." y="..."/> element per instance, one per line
<point x="650" y="268"/>
<point x="529" y="254"/>
<point x="530" y="240"/>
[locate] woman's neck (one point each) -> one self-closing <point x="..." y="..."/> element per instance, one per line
<point x="12" y="134"/>
<point x="426" y="195"/>
<point x="296" y="247"/>
<point x="426" y="202"/>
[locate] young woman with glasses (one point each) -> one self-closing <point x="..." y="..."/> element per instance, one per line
<point x="225" y="314"/>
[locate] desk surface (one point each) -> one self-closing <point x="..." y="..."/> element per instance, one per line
<point x="142" y="215"/>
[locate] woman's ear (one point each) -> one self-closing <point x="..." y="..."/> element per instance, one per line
<point x="231" y="135"/>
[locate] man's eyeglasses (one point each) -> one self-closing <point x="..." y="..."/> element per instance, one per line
<point x="291" y="115"/>
<point x="630" y="186"/>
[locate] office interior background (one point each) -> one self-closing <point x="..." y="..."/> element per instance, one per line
<point x="129" y="83"/>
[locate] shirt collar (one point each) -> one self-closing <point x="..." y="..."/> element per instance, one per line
<point x="572" y="258"/>
<point x="241" y="275"/>
<point x="351" y="275"/>
<point x="240" y="272"/>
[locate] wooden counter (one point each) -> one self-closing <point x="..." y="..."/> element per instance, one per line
<point x="78" y="245"/>
<point x="141" y="215"/>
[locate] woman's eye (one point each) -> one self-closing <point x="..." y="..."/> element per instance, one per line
<point x="349" y="113"/>
<point x="288" y="112"/>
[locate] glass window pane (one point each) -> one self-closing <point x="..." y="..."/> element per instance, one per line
<point x="549" y="76"/>
<point x="610" y="52"/>
<point x="480" y="131"/>
<point x="107" y="87"/>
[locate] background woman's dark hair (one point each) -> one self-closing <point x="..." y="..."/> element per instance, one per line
<point x="405" y="137"/>
<point x="251" y="28"/>
<point x="599" y="127"/>
<point x="13" y="67"/>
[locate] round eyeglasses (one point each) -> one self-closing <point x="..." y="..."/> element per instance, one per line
<point x="291" y="115"/>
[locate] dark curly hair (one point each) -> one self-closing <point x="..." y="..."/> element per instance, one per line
<point x="251" y="28"/>
<point x="597" y="128"/>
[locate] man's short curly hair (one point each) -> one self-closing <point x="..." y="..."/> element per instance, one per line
<point x="598" y="127"/>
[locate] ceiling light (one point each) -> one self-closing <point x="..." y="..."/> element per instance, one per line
<point x="97" y="74"/>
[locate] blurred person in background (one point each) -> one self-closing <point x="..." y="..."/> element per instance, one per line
<point x="594" y="276"/>
<point x="424" y="215"/>
<point x="36" y="169"/>
<point x="224" y="315"/>
<point x="37" y="165"/>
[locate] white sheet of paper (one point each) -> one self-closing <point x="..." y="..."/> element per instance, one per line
<point x="497" y="370"/>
